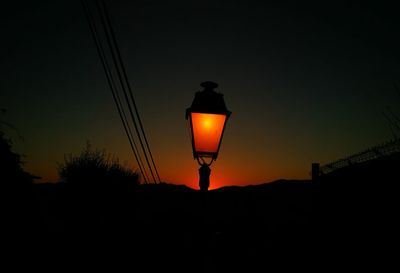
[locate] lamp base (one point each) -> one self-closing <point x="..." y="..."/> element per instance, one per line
<point x="204" y="182"/>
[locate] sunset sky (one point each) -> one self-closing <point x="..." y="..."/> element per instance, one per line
<point x="304" y="83"/>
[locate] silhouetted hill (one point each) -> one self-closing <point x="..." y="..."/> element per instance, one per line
<point x="356" y="208"/>
<point x="224" y="229"/>
<point x="363" y="188"/>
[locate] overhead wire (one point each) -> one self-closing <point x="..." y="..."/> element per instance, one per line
<point x="118" y="53"/>
<point x="122" y="76"/>
<point x="112" y="85"/>
<point x="121" y="80"/>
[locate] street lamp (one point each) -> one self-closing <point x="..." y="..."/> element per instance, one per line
<point x="207" y="119"/>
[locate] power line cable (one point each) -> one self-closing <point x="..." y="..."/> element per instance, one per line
<point x="129" y="87"/>
<point x="117" y="59"/>
<point x="111" y="83"/>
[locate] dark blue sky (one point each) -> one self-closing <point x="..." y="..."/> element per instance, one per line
<point x="305" y="83"/>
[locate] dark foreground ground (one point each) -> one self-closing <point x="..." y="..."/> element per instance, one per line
<point x="165" y="227"/>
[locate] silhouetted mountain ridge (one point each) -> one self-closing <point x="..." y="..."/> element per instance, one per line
<point x="275" y="183"/>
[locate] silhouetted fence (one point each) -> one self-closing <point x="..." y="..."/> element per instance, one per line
<point x="385" y="149"/>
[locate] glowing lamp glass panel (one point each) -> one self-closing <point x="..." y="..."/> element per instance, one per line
<point x="207" y="131"/>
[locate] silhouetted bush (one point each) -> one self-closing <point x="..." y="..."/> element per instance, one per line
<point x="15" y="191"/>
<point x="11" y="163"/>
<point x="95" y="166"/>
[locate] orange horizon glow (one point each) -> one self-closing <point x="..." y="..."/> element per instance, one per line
<point x="226" y="171"/>
<point x="207" y="131"/>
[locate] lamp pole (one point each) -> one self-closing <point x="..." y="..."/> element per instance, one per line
<point x="204" y="173"/>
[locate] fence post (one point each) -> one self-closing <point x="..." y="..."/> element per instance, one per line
<point x="314" y="171"/>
